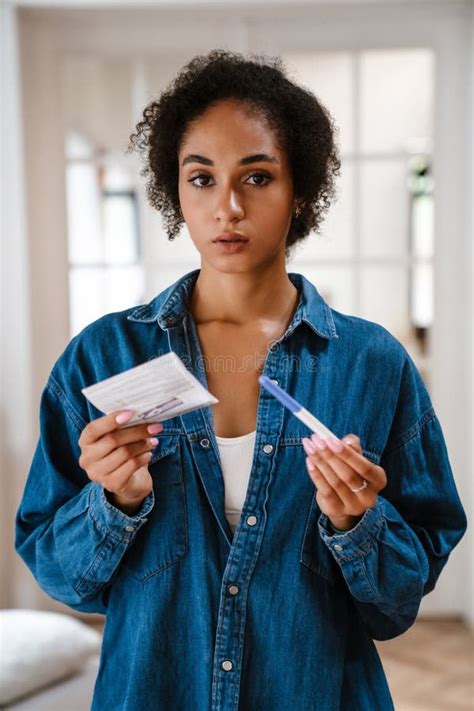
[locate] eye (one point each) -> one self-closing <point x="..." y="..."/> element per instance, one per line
<point x="266" y="179"/>
<point x="198" y="177"/>
<point x="260" y="175"/>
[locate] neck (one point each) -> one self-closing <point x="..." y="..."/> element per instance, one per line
<point x="239" y="298"/>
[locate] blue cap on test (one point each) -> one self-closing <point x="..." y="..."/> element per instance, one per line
<point x="280" y="394"/>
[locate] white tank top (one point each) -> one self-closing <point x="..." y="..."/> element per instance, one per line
<point x="236" y="458"/>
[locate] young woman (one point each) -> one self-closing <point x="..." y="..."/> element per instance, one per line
<point x="241" y="563"/>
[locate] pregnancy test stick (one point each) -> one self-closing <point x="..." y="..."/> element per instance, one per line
<point x="298" y="410"/>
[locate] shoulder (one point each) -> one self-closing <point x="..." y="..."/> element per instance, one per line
<point x="366" y="338"/>
<point x="385" y="363"/>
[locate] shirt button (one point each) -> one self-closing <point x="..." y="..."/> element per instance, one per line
<point x="251" y="520"/>
<point x="337" y="547"/>
<point x="268" y="448"/>
<point x="274" y="381"/>
<point x="227" y="665"/>
<point x="233" y="589"/>
<point x="204" y="442"/>
<point x="129" y="529"/>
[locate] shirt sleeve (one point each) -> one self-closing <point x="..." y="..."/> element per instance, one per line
<point x="66" y="531"/>
<point x="395" y="553"/>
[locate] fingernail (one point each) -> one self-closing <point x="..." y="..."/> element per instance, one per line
<point x="335" y="445"/>
<point x="124" y="416"/>
<point x="153" y="440"/>
<point x="153" y="429"/>
<point x="308" y="445"/>
<point x="310" y="464"/>
<point x="319" y="442"/>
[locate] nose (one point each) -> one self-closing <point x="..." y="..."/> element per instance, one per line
<point x="229" y="207"/>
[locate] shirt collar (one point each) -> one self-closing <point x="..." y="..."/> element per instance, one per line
<point x="171" y="306"/>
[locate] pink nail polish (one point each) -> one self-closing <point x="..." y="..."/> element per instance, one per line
<point x="155" y="428"/>
<point x="124" y="416"/>
<point x="310" y="464"/>
<point x="308" y="446"/>
<point x="335" y="445"/>
<point x="319" y="442"/>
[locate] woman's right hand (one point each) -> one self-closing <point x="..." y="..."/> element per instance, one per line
<point x="118" y="458"/>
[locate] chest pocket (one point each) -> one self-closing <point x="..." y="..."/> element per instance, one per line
<point x="163" y="540"/>
<point x="313" y="552"/>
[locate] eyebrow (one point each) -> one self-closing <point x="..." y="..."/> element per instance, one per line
<point x="257" y="158"/>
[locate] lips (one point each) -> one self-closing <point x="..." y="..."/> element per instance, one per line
<point x="231" y="237"/>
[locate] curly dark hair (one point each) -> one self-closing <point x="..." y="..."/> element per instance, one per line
<point x="303" y="127"/>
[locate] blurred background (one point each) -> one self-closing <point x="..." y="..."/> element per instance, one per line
<point x="80" y="240"/>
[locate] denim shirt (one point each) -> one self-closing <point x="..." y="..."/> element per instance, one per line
<point x="283" y="613"/>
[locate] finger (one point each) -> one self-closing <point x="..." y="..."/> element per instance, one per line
<point x="366" y="469"/>
<point x="341" y="469"/>
<point x="340" y="476"/>
<point x="118" y="482"/>
<point x="346" y="473"/>
<point x="350" y="500"/>
<point x="107" y="465"/>
<point x="322" y="484"/>
<point x="353" y="441"/>
<point x="102" y="425"/>
<point x="114" y="440"/>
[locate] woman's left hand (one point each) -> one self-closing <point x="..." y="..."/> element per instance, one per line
<point x="336" y="467"/>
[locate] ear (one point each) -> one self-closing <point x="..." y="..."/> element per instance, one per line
<point x="354" y="441"/>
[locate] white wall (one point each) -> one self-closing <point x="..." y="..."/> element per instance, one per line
<point x="469" y="350"/>
<point x="17" y="403"/>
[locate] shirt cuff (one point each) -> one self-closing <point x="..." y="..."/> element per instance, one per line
<point x="331" y="527"/>
<point x="111" y="520"/>
<point x="356" y="542"/>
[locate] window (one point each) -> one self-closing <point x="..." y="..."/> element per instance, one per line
<point x="373" y="256"/>
<point x="105" y="273"/>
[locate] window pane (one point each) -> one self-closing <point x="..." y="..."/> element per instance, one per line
<point x="329" y="76"/>
<point x="163" y="276"/>
<point x="384" y="299"/>
<point x="120" y="228"/>
<point x="78" y="146"/>
<point x="422" y="295"/>
<point x="335" y="240"/>
<point x="335" y="284"/>
<point x="396" y="99"/>
<point x="95" y="291"/>
<point x="124" y="287"/>
<point x="83" y="214"/>
<point x="384" y="208"/>
<point x="161" y="249"/>
<point x="422" y="226"/>
<point x="117" y="174"/>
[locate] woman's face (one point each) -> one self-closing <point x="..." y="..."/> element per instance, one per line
<point x="233" y="176"/>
